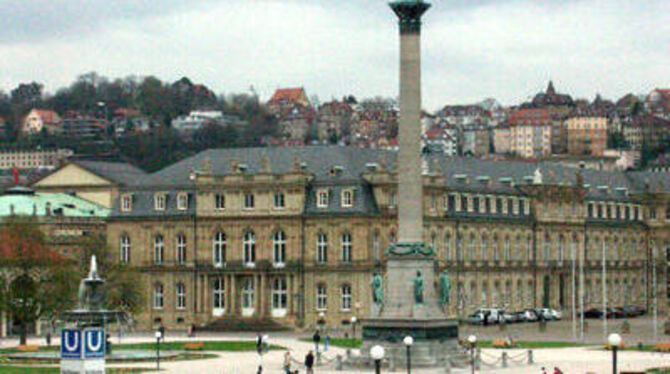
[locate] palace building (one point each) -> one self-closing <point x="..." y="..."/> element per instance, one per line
<point x="291" y="236"/>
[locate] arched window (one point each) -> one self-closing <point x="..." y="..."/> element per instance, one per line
<point x="483" y="248"/>
<point x="180" y="249"/>
<point x="158" y="249"/>
<point x="158" y="296"/>
<point x="346" y="247"/>
<point x="560" y="248"/>
<point x="345" y="302"/>
<point x="125" y="249"/>
<point x="218" y="293"/>
<point x="321" y="297"/>
<point x="518" y="248"/>
<point x="494" y="244"/>
<point x="249" y="244"/>
<point x="279" y="294"/>
<point x="471" y="248"/>
<point x="219" y="248"/>
<point x="322" y="248"/>
<point x="279" y="248"/>
<point x="181" y="296"/>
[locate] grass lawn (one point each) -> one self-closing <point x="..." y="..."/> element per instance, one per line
<point x="219" y="346"/>
<point x="659" y="371"/>
<point x="54" y="370"/>
<point x="339" y="342"/>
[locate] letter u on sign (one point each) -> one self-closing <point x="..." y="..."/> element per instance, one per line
<point x="71" y="344"/>
<point x="94" y="343"/>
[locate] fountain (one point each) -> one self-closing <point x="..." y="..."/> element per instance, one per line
<point x="90" y="311"/>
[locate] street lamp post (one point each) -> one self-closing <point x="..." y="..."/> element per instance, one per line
<point x="473" y="343"/>
<point x="614" y="341"/>
<point x="353" y="327"/>
<point x="408" y="343"/>
<point x="377" y="354"/>
<point x="159" y="336"/>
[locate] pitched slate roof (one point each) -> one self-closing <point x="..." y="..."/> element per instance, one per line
<point x="337" y="168"/>
<point x="119" y="172"/>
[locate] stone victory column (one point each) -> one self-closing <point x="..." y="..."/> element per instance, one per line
<point x="410" y="304"/>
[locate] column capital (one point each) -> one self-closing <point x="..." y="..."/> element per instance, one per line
<point x="409" y="13"/>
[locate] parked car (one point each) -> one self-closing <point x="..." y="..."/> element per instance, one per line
<point x="511" y="317"/>
<point x="593" y="313"/>
<point x="632" y="310"/>
<point x="494" y="315"/>
<point x="476" y="318"/>
<point x="530" y="315"/>
<point x="556" y="314"/>
<point x="614" y="313"/>
<point x="547" y="314"/>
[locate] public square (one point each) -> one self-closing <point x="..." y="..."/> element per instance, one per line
<point x="591" y="358"/>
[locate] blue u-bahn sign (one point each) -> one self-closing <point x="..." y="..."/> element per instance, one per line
<point x="71" y="343"/>
<point x="94" y="343"/>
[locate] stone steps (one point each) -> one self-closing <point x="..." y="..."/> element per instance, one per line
<point x="238" y="324"/>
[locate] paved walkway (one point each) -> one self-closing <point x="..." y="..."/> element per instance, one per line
<point x="570" y="360"/>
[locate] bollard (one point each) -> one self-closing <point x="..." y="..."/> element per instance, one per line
<point x="530" y="357"/>
<point x="504" y="359"/>
<point x="338" y="363"/>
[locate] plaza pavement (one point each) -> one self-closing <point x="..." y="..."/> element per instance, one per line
<point x="590" y="359"/>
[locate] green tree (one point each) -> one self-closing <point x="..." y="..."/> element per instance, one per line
<point x="37" y="282"/>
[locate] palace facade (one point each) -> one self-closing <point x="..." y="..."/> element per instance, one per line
<point x="293" y="235"/>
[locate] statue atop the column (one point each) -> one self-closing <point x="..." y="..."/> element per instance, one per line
<point x="418" y="288"/>
<point x="444" y="288"/>
<point x="377" y="289"/>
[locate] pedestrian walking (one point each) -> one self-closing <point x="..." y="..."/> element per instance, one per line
<point x="544" y="371"/>
<point x="557" y="370"/>
<point x="316" y="338"/>
<point x="309" y="362"/>
<point x="326" y="343"/>
<point x="48" y="338"/>
<point x="287" y="362"/>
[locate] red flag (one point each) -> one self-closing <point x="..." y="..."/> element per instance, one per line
<point x="16" y="176"/>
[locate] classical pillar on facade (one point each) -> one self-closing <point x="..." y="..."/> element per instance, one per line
<point x="262" y="296"/>
<point x="257" y="297"/>
<point x="232" y="300"/>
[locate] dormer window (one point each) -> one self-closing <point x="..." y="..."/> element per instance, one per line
<point x="347" y="198"/>
<point x="126" y="203"/>
<point x="159" y="201"/>
<point x="322" y="198"/>
<point x="182" y="201"/>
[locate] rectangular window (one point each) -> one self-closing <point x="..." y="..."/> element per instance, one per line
<point x="322" y="199"/>
<point x="346" y="248"/>
<point x="158" y="297"/>
<point x="347" y="198"/>
<point x="433" y="203"/>
<point x="321" y="297"/>
<point x="181" y="296"/>
<point x="249" y="202"/>
<point x="218" y="293"/>
<point x="627" y="213"/>
<point x="475" y="202"/>
<point x="279" y="199"/>
<point x="126" y="203"/>
<point x="219" y="202"/>
<point x="600" y="211"/>
<point x="451" y="202"/>
<point x="618" y="212"/>
<point x="487" y="205"/>
<point x="510" y="205"/>
<point x="159" y="202"/>
<point x="652" y="213"/>
<point x="590" y="210"/>
<point x="520" y="209"/>
<point x="346" y="297"/>
<point x="182" y="201"/>
<point x="637" y="213"/>
<point x="464" y="203"/>
<point x="322" y="248"/>
<point x="499" y="205"/>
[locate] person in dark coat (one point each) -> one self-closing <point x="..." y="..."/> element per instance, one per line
<point x="316" y="338"/>
<point x="309" y="362"/>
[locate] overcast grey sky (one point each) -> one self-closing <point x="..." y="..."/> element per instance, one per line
<point x="506" y="49"/>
